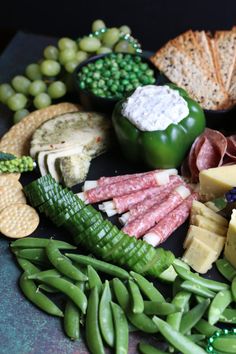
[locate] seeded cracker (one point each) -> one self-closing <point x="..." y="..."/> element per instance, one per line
<point x="16" y="141"/>
<point x="18" y="220"/>
<point x="11" y="196"/>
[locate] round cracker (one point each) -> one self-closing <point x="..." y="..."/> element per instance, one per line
<point x="11" y="184"/>
<point x="10" y="176"/>
<point x="18" y="220"/>
<point x="17" y="140"/>
<point x="11" y="196"/>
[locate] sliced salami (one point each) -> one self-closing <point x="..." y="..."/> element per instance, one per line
<point x="102" y="181"/>
<point x="166" y="226"/>
<point x="208" y="156"/>
<point x="219" y="141"/>
<point x="127" y="202"/>
<point x="195" y="148"/>
<point x="231" y="148"/>
<point x="144" y="222"/>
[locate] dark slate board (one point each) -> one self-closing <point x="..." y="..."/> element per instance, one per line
<point x="23" y="328"/>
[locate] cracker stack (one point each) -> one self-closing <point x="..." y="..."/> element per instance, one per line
<point x="203" y="65"/>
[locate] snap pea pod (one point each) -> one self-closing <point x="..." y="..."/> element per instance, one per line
<point x="177" y="339"/>
<point x="121" y="329"/>
<point x="62" y="263"/>
<point x="34" y="242"/>
<point x="197" y="279"/>
<point x="45" y="274"/>
<point x="233" y="288"/>
<point x="92" y="331"/>
<point x="225" y="344"/>
<point x="32" y="254"/>
<point x="94" y="279"/>
<point x="196" y="337"/>
<point x="145" y="348"/>
<point x="105" y="316"/>
<point x="218" y="305"/>
<point x="176" y="288"/>
<point x="193" y="316"/>
<point x="228" y="316"/>
<point x="72" y="317"/>
<point x="139" y="320"/>
<point x="68" y="288"/>
<point x="180" y="300"/>
<point x="32" y="293"/>
<point x="147" y="288"/>
<point x="205" y="328"/>
<point x="136" y="297"/>
<point x="99" y="265"/>
<point x="226" y="269"/>
<point x="197" y="289"/>
<point x="159" y="308"/>
<point x="199" y="298"/>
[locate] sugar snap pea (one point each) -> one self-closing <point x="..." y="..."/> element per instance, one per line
<point x="145" y="348"/>
<point x="226" y="269"/>
<point x="159" y="308"/>
<point x="105" y="316"/>
<point x="218" y="305"/>
<point x="196" y="337"/>
<point x="193" y="316"/>
<point x="228" y="316"/>
<point x="147" y="288"/>
<point x="34" y="242"/>
<point x="101" y="266"/>
<point x="136" y="297"/>
<point x="62" y="263"/>
<point x="68" y="288"/>
<point x="176" y="288"/>
<point x="94" y="279"/>
<point x="32" y="293"/>
<point x="180" y="300"/>
<point x="199" y="298"/>
<point x="197" y="279"/>
<point x="121" y="329"/>
<point x="92" y="331"/>
<point x="45" y="274"/>
<point x="139" y="320"/>
<point x="233" y="288"/>
<point x="197" y="289"/>
<point x="72" y="317"/>
<point x="225" y="344"/>
<point x="32" y="254"/>
<point x="205" y="328"/>
<point x="177" y="339"/>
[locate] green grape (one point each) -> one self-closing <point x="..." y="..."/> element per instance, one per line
<point x="21" y="84"/>
<point x="50" y="67"/>
<point x="57" y="89"/>
<point x="17" y="102"/>
<point x="110" y="37"/>
<point x="67" y="43"/>
<point x="18" y="115"/>
<point x="6" y="91"/>
<point x="51" y="52"/>
<point x="37" y="87"/>
<point x="125" y="29"/>
<point x="97" y="25"/>
<point x="89" y="44"/>
<point x="124" y="47"/>
<point x="33" y="72"/>
<point x="66" y="55"/>
<point x="71" y="65"/>
<point x="81" y="56"/>
<point x="42" y="100"/>
<point x="104" y="50"/>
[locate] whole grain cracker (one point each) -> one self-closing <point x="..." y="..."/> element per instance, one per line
<point x="11" y="184"/>
<point x="18" y="220"/>
<point x="11" y="196"/>
<point x="10" y="176"/>
<point x="17" y="139"/>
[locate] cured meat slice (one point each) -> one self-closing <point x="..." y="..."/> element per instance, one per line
<point x="219" y="141"/>
<point x="166" y="226"/>
<point x="231" y="148"/>
<point x="118" y="189"/>
<point x="195" y="148"/>
<point x="207" y="156"/>
<point x="144" y="222"/>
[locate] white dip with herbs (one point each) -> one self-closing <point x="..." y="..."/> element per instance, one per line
<point x="153" y="107"/>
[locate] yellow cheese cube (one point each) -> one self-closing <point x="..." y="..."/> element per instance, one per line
<point x="230" y="245"/>
<point x="214" y="241"/>
<point x="212" y="206"/>
<point x="214" y="182"/>
<point x="199" y="208"/>
<point x="199" y="256"/>
<point x="207" y="224"/>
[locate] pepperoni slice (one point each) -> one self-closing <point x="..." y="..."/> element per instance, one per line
<point x="208" y="156"/>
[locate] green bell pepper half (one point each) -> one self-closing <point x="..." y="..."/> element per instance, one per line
<point x="161" y="148"/>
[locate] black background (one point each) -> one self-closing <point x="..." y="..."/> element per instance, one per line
<point x="152" y="21"/>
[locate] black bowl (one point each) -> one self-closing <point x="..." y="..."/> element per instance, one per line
<point x="92" y="102"/>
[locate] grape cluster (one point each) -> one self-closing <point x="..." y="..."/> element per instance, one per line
<point x="19" y="164"/>
<point x="48" y="79"/>
<point x="231" y="195"/>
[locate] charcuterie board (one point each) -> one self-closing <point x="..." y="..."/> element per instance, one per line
<point x="24" y="329"/>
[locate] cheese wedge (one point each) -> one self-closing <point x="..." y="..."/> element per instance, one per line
<point x="214" y="182"/>
<point x="199" y="208"/>
<point x="230" y="245"/>
<point x="214" y="241"/>
<point x="212" y="206"/>
<point x="207" y="224"/>
<point x="199" y="256"/>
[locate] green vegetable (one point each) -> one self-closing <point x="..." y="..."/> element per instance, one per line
<point x="228" y="316"/>
<point x="145" y="348"/>
<point x="105" y="316"/>
<point x="121" y="329"/>
<point x="226" y="269"/>
<point x="197" y="289"/>
<point x="147" y="288"/>
<point x="94" y="279"/>
<point x="159" y="308"/>
<point x="32" y="254"/>
<point x="218" y="305"/>
<point x="181" y="299"/>
<point x="34" y="242"/>
<point x="6" y="157"/>
<point x="193" y="316"/>
<point x="18" y="164"/>
<point x="225" y="344"/>
<point x="162" y="149"/>
<point x="136" y="297"/>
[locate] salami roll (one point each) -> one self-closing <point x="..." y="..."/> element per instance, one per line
<point x="166" y="226"/>
<point x="121" y="188"/>
<point x="146" y="221"/>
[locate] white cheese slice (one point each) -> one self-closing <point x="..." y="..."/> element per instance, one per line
<point x="230" y="245"/>
<point x="199" y="208"/>
<point x="207" y="224"/>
